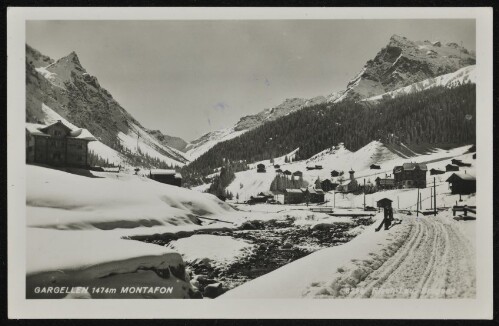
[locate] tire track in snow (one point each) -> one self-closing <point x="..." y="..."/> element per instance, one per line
<point x="435" y="261"/>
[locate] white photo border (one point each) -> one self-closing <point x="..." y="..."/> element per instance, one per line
<point x="20" y="307"/>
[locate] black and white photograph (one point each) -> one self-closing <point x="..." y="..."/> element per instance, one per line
<point x="278" y="158"/>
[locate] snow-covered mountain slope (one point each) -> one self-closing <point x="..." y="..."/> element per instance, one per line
<point x="401" y="63"/>
<point x="66" y="88"/>
<point x="459" y="77"/>
<point x="201" y="145"/>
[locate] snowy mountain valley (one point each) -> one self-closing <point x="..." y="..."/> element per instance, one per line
<point x="284" y="204"/>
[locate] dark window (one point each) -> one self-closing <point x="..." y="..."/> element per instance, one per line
<point x="80" y="158"/>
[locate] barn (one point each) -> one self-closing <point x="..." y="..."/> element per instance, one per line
<point x="287" y="172"/>
<point x="462" y="183"/>
<point x="260" y="168"/>
<point x="315" y="195"/>
<point x="436" y="171"/>
<point x="294" y="196"/>
<point x="451" y="167"/>
<point x="375" y="167"/>
<point x="298" y="174"/>
<point x="328" y="185"/>
<point x="170" y="177"/>
<point x="57" y="144"/>
<point x="385" y="183"/>
<point x="385" y="202"/>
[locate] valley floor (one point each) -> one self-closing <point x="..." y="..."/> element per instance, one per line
<point x="422" y="257"/>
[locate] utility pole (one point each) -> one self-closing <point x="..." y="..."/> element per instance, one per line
<point x="398" y="202"/>
<point x="417" y="205"/>
<point x="434" y="197"/>
<point x="364" y="194"/>
<point x="431" y="198"/>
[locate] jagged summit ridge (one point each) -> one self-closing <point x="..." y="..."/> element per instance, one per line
<point x="403" y="62"/>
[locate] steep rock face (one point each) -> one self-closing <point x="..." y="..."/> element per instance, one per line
<point x="401" y="63"/>
<point x="36" y="59"/>
<point x="67" y="88"/>
<point x="171" y="141"/>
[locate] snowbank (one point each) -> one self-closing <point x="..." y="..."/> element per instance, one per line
<point x="61" y="200"/>
<point x="218" y="250"/>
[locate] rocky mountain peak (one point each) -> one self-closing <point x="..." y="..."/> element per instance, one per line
<point x="403" y="62"/>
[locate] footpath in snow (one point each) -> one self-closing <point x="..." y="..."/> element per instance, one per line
<point x="423" y="257"/>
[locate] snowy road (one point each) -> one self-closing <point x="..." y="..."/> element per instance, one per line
<point x="428" y="258"/>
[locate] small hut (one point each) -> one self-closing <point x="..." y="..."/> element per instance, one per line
<point x="375" y="167"/>
<point x="462" y="183"/>
<point x="260" y="168"/>
<point x="383" y="203"/>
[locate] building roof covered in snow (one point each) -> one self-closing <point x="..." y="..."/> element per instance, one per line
<point x="461" y="176"/>
<point x="75" y="133"/>
<point x="410" y="167"/>
<point x="163" y="172"/>
<point x="293" y="191"/>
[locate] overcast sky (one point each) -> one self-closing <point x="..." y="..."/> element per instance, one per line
<point x="190" y="77"/>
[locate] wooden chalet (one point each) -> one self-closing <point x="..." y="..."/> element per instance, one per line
<point x="435" y="172"/>
<point x="277" y="166"/>
<point x="170" y="177"/>
<point x="451" y="167"/>
<point x="57" y="144"/>
<point x="375" y="167"/>
<point x="385" y="183"/>
<point x="462" y="183"/>
<point x="410" y="175"/>
<point x="385" y="202"/>
<point x="287" y="172"/>
<point x="298" y="174"/>
<point x="260" y="168"/>
<point x="294" y="196"/>
<point x="315" y="195"/>
<point x="318" y="167"/>
<point x="328" y="185"/>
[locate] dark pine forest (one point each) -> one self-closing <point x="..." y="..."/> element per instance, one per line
<point x="434" y="116"/>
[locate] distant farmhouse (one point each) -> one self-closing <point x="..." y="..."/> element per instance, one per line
<point x="260" y="168"/>
<point x="328" y="185"/>
<point x="315" y="195"/>
<point x="298" y="174"/>
<point x="436" y="171"/>
<point x="410" y="175"/>
<point x="57" y="144"/>
<point x="293" y="196"/>
<point x="350" y="185"/>
<point x="451" y="167"/>
<point x="385" y="183"/>
<point x="375" y="167"/>
<point x="462" y="183"/>
<point x="298" y="196"/>
<point x="170" y="177"/>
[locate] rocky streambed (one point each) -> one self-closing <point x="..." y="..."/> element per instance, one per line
<point x="275" y="244"/>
